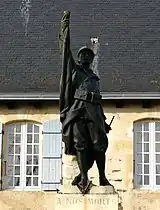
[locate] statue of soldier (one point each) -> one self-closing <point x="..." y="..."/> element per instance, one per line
<point x="81" y="114"/>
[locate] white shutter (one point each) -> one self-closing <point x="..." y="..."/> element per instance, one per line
<point x="1" y="134"/>
<point x="51" y="155"/>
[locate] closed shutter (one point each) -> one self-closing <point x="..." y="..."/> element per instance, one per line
<point x="51" y="155"/>
<point x="1" y="133"/>
<point x="1" y="153"/>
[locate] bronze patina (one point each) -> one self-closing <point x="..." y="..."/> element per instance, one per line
<point x="84" y="130"/>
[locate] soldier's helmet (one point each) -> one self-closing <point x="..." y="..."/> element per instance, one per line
<point x="85" y="48"/>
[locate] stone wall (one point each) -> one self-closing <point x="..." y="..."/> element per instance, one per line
<point x="119" y="156"/>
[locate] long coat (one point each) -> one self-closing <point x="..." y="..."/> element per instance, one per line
<point x="70" y="108"/>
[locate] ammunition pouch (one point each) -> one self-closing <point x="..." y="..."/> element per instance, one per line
<point x="90" y="97"/>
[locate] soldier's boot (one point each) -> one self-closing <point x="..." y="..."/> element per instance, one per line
<point x="76" y="179"/>
<point x="100" y="161"/>
<point x="82" y="163"/>
<point x="90" y="162"/>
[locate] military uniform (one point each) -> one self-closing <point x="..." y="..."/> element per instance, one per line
<point x="82" y="117"/>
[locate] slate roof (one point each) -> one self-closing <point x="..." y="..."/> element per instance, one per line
<point x="129" y="33"/>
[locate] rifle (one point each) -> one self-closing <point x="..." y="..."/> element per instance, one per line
<point x="111" y="121"/>
<point x="108" y="127"/>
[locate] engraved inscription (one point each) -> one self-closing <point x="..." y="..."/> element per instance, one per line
<point x="91" y="201"/>
<point x="98" y="201"/>
<point x="69" y="201"/>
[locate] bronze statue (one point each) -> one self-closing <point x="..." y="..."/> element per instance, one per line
<point x="81" y="114"/>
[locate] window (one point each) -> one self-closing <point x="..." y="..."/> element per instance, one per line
<point x="23" y="156"/>
<point x="32" y="159"/>
<point x="147" y="154"/>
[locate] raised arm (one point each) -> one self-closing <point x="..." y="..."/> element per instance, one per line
<point x="64" y="36"/>
<point x="68" y="64"/>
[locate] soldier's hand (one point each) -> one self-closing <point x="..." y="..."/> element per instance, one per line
<point x="107" y="128"/>
<point x="64" y="25"/>
<point x="66" y="16"/>
<point x="65" y="21"/>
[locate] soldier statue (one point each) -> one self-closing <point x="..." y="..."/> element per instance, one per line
<point x="84" y="130"/>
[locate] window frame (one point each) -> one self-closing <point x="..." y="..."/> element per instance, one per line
<point x="23" y="156"/>
<point x="152" y="155"/>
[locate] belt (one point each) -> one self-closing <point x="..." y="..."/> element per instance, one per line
<point x="89" y="97"/>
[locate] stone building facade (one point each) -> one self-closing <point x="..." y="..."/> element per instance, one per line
<point x="126" y="34"/>
<point x="132" y="169"/>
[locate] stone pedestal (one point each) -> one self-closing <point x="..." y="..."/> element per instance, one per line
<point x="98" y="198"/>
<point x="102" y="190"/>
